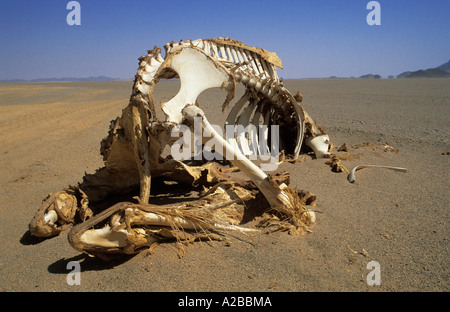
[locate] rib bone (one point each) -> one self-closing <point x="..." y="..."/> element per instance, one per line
<point x="351" y="175"/>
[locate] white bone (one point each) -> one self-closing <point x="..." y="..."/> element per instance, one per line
<point x="245" y="79"/>
<point x="229" y="54"/>
<point x="159" y="58"/>
<point x="253" y="136"/>
<point x="243" y="121"/>
<point x="223" y="53"/>
<point x="351" y="175"/>
<point x="243" y="55"/>
<point x="215" y="51"/>
<point x="197" y="73"/>
<point x="236" y="108"/>
<point x="150" y="218"/>
<point x="258" y="64"/>
<point x="266" y="71"/>
<point x="105" y="237"/>
<point x="51" y="217"/>
<point x="252" y="81"/>
<point x="143" y="88"/>
<point x="207" y="48"/>
<point x="273" y="71"/>
<point x="319" y="145"/>
<point x="235" y="56"/>
<point x="154" y="62"/>
<point x="265" y="150"/>
<point x="239" y="54"/>
<point x="252" y="62"/>
<point x="198" y="43"/>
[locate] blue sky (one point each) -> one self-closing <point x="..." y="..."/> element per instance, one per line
<point x="313" y="38"/>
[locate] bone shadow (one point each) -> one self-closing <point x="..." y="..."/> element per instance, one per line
<point x="29" y="239"/>
<point x="87" y="263"/>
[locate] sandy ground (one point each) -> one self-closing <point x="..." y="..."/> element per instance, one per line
<point x="51" y="134"/>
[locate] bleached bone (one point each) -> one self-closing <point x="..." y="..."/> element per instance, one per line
<point x="319" y="145"/>
<point x="317" y="139"/>
<point x="280" y="197"/>
<point x="351" y="175"/>
<point x="196" y="74"/>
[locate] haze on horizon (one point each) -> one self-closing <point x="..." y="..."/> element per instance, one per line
<point x="313" y="38"/>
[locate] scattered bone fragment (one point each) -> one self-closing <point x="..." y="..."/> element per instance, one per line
<point x="336" y="165"/>
<point x="351" y="175"/>
<point x="343" y="148"/>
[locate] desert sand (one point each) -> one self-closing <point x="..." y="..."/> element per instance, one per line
<point x="51" y="133"/>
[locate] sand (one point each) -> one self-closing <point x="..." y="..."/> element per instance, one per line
<point x="51" y="135"/>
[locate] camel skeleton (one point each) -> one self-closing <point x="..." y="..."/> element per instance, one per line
<point x="132" y="153"/>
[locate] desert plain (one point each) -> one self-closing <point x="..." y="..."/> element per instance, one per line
<point x="51" y="133"/>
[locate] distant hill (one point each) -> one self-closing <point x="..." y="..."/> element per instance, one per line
<point x="370" y="76"/>
<point x="445" y="66"/>
<point x="98" y="78"/>
<point x="437" y="72"/>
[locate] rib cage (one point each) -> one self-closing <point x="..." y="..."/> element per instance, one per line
<point x="254" y="61"/>
<point x="265" y="101"/>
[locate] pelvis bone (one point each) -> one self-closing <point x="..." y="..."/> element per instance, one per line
<point x="132" y="154"/>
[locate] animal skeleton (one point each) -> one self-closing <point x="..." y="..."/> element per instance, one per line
<point x="132" y="153"/>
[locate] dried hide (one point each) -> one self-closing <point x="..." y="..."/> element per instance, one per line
<point x="132" y="154"/>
